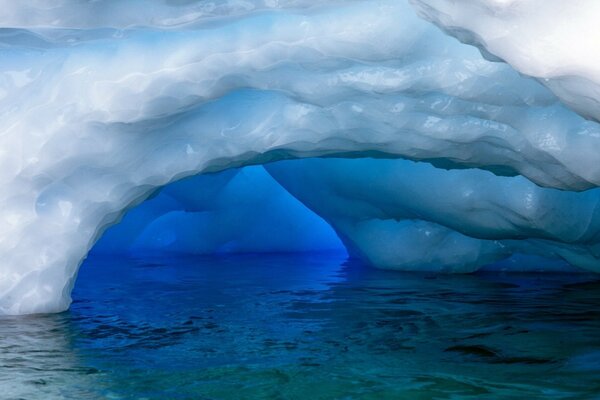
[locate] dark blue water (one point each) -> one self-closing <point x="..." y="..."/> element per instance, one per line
<point x="275" y="327"/>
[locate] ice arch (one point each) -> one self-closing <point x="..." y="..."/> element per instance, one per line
<point x="98" y="113"/>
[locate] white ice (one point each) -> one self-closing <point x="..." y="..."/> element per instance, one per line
<point x="104" y="102"/>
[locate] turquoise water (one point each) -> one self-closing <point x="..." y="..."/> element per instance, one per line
<point x="297" y="327"/>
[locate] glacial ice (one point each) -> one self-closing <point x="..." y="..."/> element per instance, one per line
<point x="555" y="41"/>
<point x="105" y="102"/>
<point x="389" y="213"/>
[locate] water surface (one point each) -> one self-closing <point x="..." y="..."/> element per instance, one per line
<point x="300" y="327"/>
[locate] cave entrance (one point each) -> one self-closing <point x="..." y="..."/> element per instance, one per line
<point x="236" y="211"/>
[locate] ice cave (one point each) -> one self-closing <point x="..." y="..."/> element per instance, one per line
<point x="412" y="138"/>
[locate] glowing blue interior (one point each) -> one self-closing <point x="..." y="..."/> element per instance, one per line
<point x="235" y="211"/>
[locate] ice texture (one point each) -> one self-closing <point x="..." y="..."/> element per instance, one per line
<point x="398" y="214"/>
<point x="556" y="41"/>
<point x="105" y="102"/>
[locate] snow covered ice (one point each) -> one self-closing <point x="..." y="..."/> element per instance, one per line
<point x="103" y="103"/>
<point x="552" y="40"/>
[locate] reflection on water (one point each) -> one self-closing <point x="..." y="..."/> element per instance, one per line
<point x="305" y="327"/>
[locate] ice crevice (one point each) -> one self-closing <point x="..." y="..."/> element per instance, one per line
<point x="454" y="161"/>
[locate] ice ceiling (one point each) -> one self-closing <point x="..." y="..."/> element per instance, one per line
<point x="436" y="157"/>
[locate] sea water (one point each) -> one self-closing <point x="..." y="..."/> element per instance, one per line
<point x="305" y="327"/>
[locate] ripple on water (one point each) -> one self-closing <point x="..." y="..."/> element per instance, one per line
<point x="290" y="327"/>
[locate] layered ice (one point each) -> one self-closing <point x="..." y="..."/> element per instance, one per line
<point x="398" y="214"/>
<point x="104" y="102"/>
<point x="556" y="41"/>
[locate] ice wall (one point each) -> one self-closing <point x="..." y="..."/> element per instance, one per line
<point x="104" y="102"/>
<point x="398" y="214"/>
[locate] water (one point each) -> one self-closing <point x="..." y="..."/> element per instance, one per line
<point x="293" y="327"/>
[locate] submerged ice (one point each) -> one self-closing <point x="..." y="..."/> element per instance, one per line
<point x="103" y="103"/>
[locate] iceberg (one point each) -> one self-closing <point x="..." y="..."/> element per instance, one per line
<point x="103" y="103"/>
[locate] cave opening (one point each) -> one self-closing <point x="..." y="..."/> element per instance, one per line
<point x="233" y="212"/>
